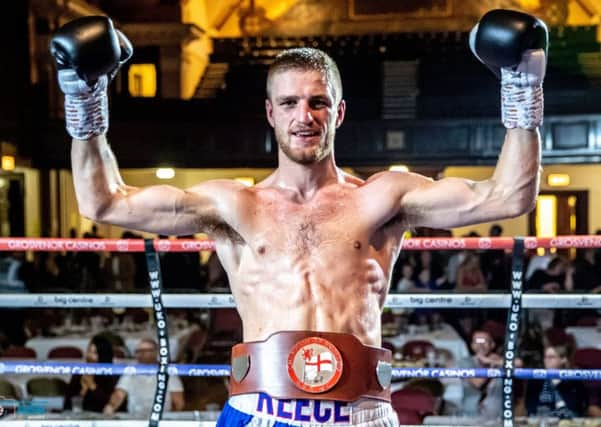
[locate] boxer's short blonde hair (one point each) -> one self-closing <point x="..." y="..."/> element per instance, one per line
<point x="307" y="59"/>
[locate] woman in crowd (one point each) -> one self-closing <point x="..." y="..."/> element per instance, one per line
<point x="469" y="275"/>
<point x="94" y="390"/>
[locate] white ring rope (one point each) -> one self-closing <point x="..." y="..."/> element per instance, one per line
<point x="419" y="300"/>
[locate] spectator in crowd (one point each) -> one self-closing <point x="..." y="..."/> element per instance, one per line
<point x="584" y="274"/>
<point x="469" y="274"/>
<point x="537" y="262"/>
<point x="182" y="270"/>
<point x="429" y="273"/>
<point x="10" y="277"/>
<point x="95" y="390"/>
<point x="550" y="279"/>
<point x="555" y="397"/>
<point x="90" y="262"/>
<point x="204" y="393"/>
<point x="482" y="396"/>
<point x="495" y="263"/>
<point x="139" y="389"/>
<point x="406" y="283"/>
<point x="120" y="270"/>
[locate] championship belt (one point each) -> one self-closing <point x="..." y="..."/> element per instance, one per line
<point x="311" y="365"/>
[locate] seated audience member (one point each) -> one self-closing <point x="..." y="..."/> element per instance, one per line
<point x="428" y="273"/>
<point x="139" y="389"/>
<point x="406" y="282"/>
<point x="495" y="263"/>
<point x="550" y="279"/>
<point x="584" y="275"/>
<point x="482" y="396"/>
<point x="95" y="390"/>
<point x="537" y="262"/>
<point x="469" y="274"/>
<point x="555" y="397"/>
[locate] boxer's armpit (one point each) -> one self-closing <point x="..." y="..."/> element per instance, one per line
<point x="189" y="206"/>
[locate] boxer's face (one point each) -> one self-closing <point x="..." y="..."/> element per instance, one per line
<point x="304" y="113"/>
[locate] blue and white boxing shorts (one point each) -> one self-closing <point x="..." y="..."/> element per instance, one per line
<point x="260" y="410"/>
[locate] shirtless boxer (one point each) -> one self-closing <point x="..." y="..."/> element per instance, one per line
<point x="309" y="250"/>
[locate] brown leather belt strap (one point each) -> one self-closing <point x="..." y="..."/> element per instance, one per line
<point x="272" y="367"/>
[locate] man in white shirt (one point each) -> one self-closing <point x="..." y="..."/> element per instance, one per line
<point x="139" y="389"/>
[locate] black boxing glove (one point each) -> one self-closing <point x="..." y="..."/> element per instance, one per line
<point x="514" y="46"/>
<point x="88" y="53"/>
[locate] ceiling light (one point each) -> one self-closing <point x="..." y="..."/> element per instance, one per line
<point x="165" y="173"/>
<point x="398" y="168"/>
<point x="558" y="180"/>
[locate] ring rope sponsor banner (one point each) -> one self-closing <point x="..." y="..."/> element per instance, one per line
<point x="93" y="245"/>
<point x="66" y="300"/>
<point x="68" y="368"/>
<point x="193" y="245"/>
<point x="438" y="300"/>
<point x="160" y="319"/>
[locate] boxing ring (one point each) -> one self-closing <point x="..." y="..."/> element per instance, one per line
<point x="513" y="301"/>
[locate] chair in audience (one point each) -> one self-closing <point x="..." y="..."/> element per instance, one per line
<point x="225" y="330"/>
<point x="417" y="349"/>
<point x="46" y="387"/>
<point x="559" y="336"/>
<point x="587" y="358"/>
<point x="408" y="417"/>
<point x="19" y="352"/>
<point x="65" y="352"/>
<point x="204" y="393"/>
<point x="420" y="402"/>
<point x="8" y="390"/>
<point x="587" y="321"/>
<point x="388" y="346"/>
<point x="192" y="345"/>
<point x="432" y="386"/>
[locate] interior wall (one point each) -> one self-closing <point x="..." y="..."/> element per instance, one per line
<point x="583" y="177"/>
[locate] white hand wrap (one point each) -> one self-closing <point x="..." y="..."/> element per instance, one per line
<point x="86" y="108"/>
<point x="522" y="100"/>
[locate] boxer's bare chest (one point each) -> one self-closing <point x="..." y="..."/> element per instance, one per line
<point x="329" y="221"/>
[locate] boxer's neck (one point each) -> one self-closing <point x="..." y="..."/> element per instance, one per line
<point x="306" y="179"/>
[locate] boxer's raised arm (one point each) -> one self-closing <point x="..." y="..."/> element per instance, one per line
<point x="455" y="202"/>
<point x="514" y="46"/>
<point x="88" y="53"/>
<point x="103" y="196"/>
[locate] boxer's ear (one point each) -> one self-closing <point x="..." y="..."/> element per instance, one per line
<point x="269" y="112"/>
<point x="340" y="113"/>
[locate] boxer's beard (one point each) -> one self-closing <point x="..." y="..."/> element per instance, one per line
<point x="305" y="155"/>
